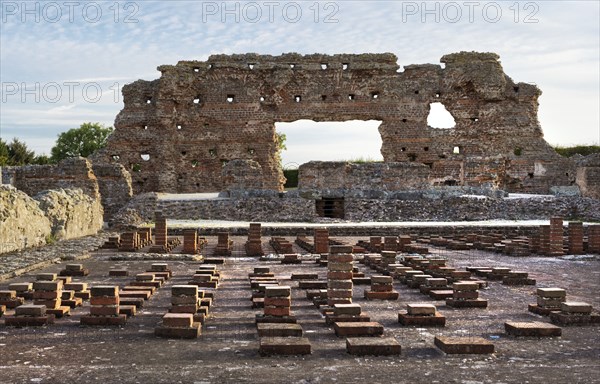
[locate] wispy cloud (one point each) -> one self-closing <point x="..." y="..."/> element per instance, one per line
<point x="560" y="52"/>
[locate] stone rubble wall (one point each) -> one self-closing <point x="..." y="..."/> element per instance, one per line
<point x="588" y="176"/>
<point x="22" y="223"/>
<point x="50" y="215"/>
<point x="176" y="133"/>
<point x="72" y="213"/>
<point x="408" y="206"/>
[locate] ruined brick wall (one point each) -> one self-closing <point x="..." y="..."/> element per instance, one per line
<point x="176" y="133"/>
<point x="71" y="173"/>
<point x="588" y="176"/>
<point x="336" y="179"/>
<point x="114" y="183"/>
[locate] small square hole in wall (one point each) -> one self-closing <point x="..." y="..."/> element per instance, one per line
<point x="230" y="98"/>
<point x="262" y="98"/>
<point x="344" y="66"/>
<point x="250" y="65"/>
<point x="404" y="120"/>
<point x="351" y="96"/>
<point x="197" y="100"/>
<point x="324" y="66"/>
<point x="251" y="151"/>
<point x="297" y="98"/>
<point x="212" y="152"/>
<point x="426" y="149"/>
<point x="194" y="163"/>
<point x="116" y="157"/>
<point x="403" y="149"/>
<point x="456" y="150"/>
<point x="145" y="127"/>
<point x="323" y="97"/>
<point x="210" y="66"/>
<point x="516" y="89"/>
<point x="374" y="95"/>
<point x="179" y="126"/>
<point x="145" y="156"/>
<point x="417" y="92"/>
<point x="437" y="94"/>
<point x="292" y="65"/>
<point x="196" y="69"/>
<point x="149" y="100"/>
<point x="474" y="119"/>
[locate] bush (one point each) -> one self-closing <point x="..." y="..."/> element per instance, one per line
<point x="584" y="150"/>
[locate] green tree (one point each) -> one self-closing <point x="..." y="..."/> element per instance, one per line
<point x="4" y="155"/>
<point x="42" y="159"/>
<point x="19" y="154"/>
<point x="82" y="141"/>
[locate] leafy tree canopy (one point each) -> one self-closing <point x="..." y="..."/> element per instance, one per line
<point x="82" y="141"/>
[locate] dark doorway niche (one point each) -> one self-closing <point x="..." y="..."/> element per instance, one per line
<point x="332" y="207"/>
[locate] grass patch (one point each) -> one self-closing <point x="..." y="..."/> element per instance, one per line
<point x="584" y="150"/>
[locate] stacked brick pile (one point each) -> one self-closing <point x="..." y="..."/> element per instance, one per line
<point x="339" y="275"/>
<point x="160" y="270"/>
<point x="130" y="242"/>
<point x="594" y="239"/>
<point x="556" y="237"/>
<point x="180" y="322"/>
<point x="80" y="290"/>
<point x="375" y="243"/>
<point x="572" y="312"/>
<point x="47" y="291"/>
<point x="321" y="243"/>
<point x="382" y="288"/>
<point x="277" y="303"/>
<point x="113" y="242"/>
<point x="346" y="313"/>
<point x="9" y="299"/>
<point x="390" y="243"/>
<point x="145" y="236"/>
<point x="224" y="244"/>
<point x="422" y="315"/>
<point x="575" y="237"/>
<point x="190" y="241"/>
<point x="253" y="244"/>
<point x="104" y="308"/>
<point x="74" y="270"/>
<point x="548" y="300"/>
<point x="404" y="242"/>
<point x="23" y="290"/>
<point x="466" y="295"/>
<point x="281" y="245"/>
<point x="29" y="315"/>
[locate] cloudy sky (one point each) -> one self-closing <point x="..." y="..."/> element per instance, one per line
<point x="63" y="63"/>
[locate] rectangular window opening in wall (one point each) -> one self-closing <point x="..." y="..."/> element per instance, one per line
<point x="297" y="98"/>
<point x="332" y="207"/>
<point x="230" y="98"/>
<point x="351" y="96"/>
<point x="456" y="150"/>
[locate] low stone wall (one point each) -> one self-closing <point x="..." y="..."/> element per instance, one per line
<point x="22" y="222"/>
<point x="72" y="213"/>
<point x="588" y="176"/>
<point x="56" y="214"/>
<point x="409" y="207"/>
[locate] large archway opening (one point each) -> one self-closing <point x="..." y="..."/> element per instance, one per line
<point x="308" y="140"/>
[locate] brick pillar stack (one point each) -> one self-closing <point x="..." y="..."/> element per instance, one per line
<point x="575" y="238"/>
<point x="24" y="290"/>
<point x="594" y="239"/>
<point x="129" y="242"/>
<point x="556" y="237"/>
<point x="184" y="298"/>
<point x="254" y="244"/>
<point x="47" y="291"/>
<point x="390" y="243"/>
<point x="382" y="288"/>
<point x="278" y="301"/>
<point x="28" y="315"/>
<point x="339" y="275"/>
<point x="190" y="241"/>
<point x="223" y="244"/>
<point x="375" y="243"/>
<point x="403" y="242"/>
<point x="466" y="295"/>
<point x="387" y="258"/>
<point x="9" y="299"/>
<point x="145" y="236"/>
<point x="548" y="300"/>
<point x="104" y="308"/>
<point x="321" y="238"/>
<point x="160" y="229"/>
<point x="544" y="240"/>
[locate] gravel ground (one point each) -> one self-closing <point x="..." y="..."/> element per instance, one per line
<point x="227" y="351"/>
